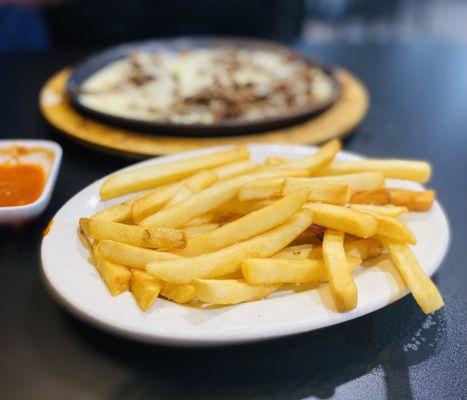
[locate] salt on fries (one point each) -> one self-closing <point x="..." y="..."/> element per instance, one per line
<point x="222" y="229"/>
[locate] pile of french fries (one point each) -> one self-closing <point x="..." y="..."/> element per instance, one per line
<point x="222" y="229"/>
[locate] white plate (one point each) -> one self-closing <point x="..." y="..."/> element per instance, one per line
<point x="76" y="284"/>
<point x="16" y="214"/>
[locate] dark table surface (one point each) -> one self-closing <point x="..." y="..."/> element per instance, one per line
<point x="419" y="97"/>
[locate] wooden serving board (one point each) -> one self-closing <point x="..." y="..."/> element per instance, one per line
<point x="339" y="120"/>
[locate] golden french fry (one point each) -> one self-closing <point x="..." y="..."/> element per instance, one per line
<point x="153" y="238"/>
<point x="343" y="288"/>
<point x="356" y="182"/>
<point x="318" y="160"/>
<point x="209" y="199"/>
<point x="283" y="270"/>
<point x="246" y="227"/>
<point x="393" y="229"/>
<point x="323" y="193"/>
<point x="296" y="252"/>
<point x="145" y="288"/>
<point x="237" y="207"/>
<point x="116" y="277"/>
<point x="374" y="197"/>
<point x="158" y="174"/>
<point x="261" y="189"/>
<point x="194" y="231"/>
<point x="228" y="260"/>
<point x="178" y="293"/>
<point x="363" y="248"/>
<point x="342" y="218"/>
<point x="423" y="289"/>
<point x="230" y="291"/>
<point x="418" y="171"/>
<point x="116" y="213"/>
<point x="413" y="200"/>
<point x="130" y="256"/>
<point x="387" y="210"/>
<point x="276" y="187"/>
<point x="235" y="169"/>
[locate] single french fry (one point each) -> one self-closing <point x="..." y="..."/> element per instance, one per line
<point x="208" y="199"/>
<point x="129" y="255"/>
<point x="154" y="238"/>
<point x="316" y="253"/>
<point x="237" y="207"/>
<point x="423" y="289"/>
<point x="413" y="200"/>
<point x="323" y="193"/>
<point x="316" y="161"/>
<point x="363" y="248"/>
<point x="230" y="291"/>
<point x="116" y="213"/>
<point x="235" y="169"/>
<point x="393" y="229"/>
<point x="374" y="197"/>
<point x="246" y="227"/>
<point x="261" y="189"/>
<point x="284" y="270"/>
<point x="158" y="174"/>
<point x="342" y="218"/>
<point x="145" y="288"/>
<point x="272" y="161"/>
<point x="356" y="182"/>
<point x="179" y="293"/>
<point x="276" y="187"/>
<point x="343" y="288"/>
<point x="228" y="260"/>
<point x="194" y="231"/>
<point x="116" y="277"/>
<point x="297" y="252"/>
<point x="418" y="171"/>
<point x="387" y="210"/>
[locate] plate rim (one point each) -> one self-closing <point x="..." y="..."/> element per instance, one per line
<point x="258" y="334"/>
<point x="100" y="59"/>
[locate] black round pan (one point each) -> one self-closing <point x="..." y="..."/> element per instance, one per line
<point x="225" y="127"/>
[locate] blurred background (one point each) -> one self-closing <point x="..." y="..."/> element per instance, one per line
<point x="36" y="25"/>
